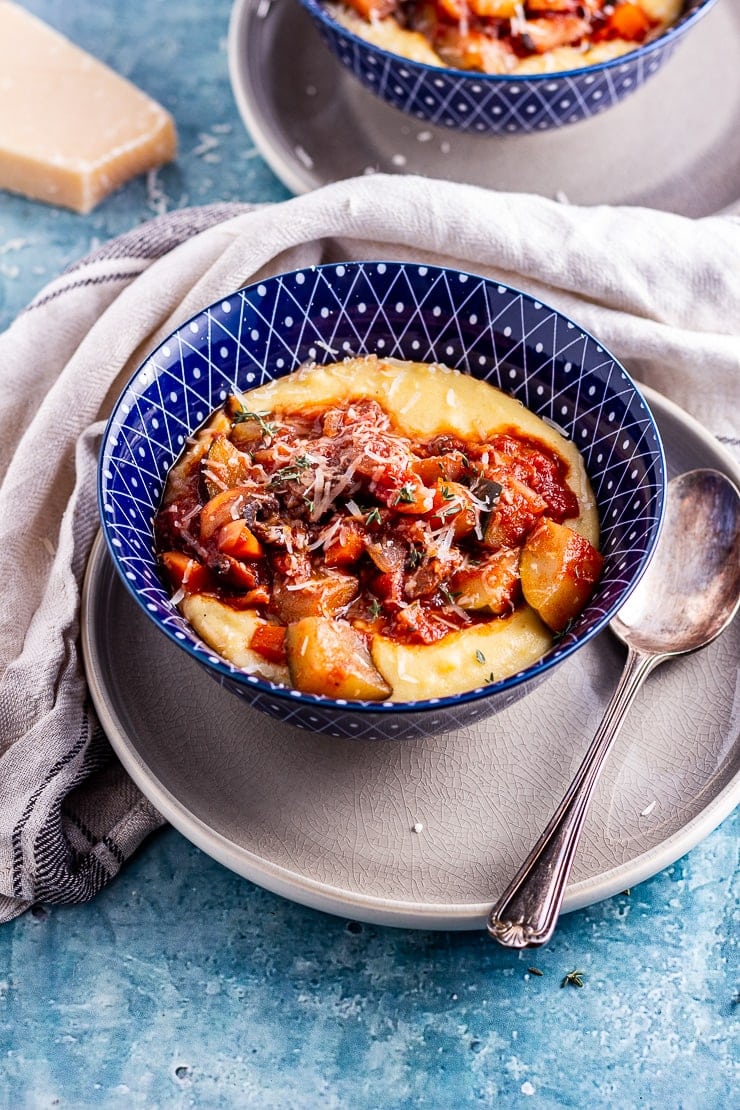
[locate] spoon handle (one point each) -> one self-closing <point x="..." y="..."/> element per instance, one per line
<point x="526" y="914"/>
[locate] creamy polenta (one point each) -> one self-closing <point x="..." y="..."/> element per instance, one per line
<point x="379" y="530"/>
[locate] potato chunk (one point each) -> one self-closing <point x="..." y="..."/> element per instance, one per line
<point x="329" y="657"/>
<point x="558" y="570"/>
<point x="224" y="466"/>
<point x="494" y="585"/>
<point x="317" y="597"/>
<point x="514" y="514"/>
<point x="230" y="633"/>
<point x="180" y="473"/>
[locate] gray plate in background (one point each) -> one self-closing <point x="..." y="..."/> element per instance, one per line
<point x="673" y="145"/>
<point x="330" y="823"/>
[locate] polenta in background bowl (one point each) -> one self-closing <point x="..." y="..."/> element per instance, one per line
<point x="501" y="66"/>
<point x="382" y="476"/>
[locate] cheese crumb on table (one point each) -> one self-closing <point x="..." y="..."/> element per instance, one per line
<point x="71" y="130"/>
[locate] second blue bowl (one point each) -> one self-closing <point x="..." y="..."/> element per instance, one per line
<point x="481" y="103"/>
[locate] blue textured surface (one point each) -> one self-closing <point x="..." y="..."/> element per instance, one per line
<point x="406" y="311"/>
<point x="183" y="985"/>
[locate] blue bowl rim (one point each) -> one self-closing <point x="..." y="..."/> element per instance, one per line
<point x="317" y="11"/>
<point x="320" y="701"/>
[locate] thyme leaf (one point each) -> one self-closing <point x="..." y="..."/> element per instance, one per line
<point x="285" y="474"/>
<point x="405" y="494"/>
<point x="259" y="417"/>
<point x="480" y="656"/>
<point x="291" y="472"/>
<point x="373" y="517"/>
<point x="572" y="979"/>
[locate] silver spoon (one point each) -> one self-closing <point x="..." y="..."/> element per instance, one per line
<point x="688" y="595"/>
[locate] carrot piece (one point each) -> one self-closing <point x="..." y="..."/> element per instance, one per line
<point x="269" y="640"/>
<point x="413" y="497"/>
<point x="370" y="10"/>
<point x="347" y="545"/>
<point x="234" y="538"/>
<point x="452" y="505"/>
<point x="238" y="574"/>
<point x="186" y="574"/>
<point x="629" y="21"/>
<point x="455" y="10"/>
<point x="260" y="595"/>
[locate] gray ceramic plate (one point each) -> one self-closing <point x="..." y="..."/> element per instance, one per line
<point x="672" y="145"/>
<point x="422" y="833"/>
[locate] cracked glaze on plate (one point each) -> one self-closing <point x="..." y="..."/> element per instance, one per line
<point x="424" y="833"/>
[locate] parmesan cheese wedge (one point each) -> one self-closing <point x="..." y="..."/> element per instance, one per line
<point x="71" y="130"/>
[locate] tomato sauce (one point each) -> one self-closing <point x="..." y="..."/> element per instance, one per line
<point x="338" y="514"/>
<point x="494" y="36"/>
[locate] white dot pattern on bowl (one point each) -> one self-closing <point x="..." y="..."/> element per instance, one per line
<point x="451" y="99"/>
<point x="496" y="333"/>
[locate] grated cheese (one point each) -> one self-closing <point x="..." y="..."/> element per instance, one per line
<point x="410" y="403"/>
<point x="326" y="534"/>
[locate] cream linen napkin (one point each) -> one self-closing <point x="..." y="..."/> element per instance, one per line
<point x="662" y="291"/>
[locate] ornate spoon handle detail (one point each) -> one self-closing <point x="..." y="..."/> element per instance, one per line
<point x="526" y="914"/>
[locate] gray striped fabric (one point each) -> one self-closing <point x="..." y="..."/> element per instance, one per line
<point x="70" y="815"/>
<point x="661" y="291"/>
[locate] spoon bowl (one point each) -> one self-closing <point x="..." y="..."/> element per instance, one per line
<point x="691" y="588"/>
<point x="688" y="595"/>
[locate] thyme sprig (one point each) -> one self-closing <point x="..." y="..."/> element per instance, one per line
<point x="290" y="473"/>
<point x="243" y="415"/>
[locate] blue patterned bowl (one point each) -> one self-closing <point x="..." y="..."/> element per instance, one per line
<point x="485" y="103"/>
<point x="407" y="311"/>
